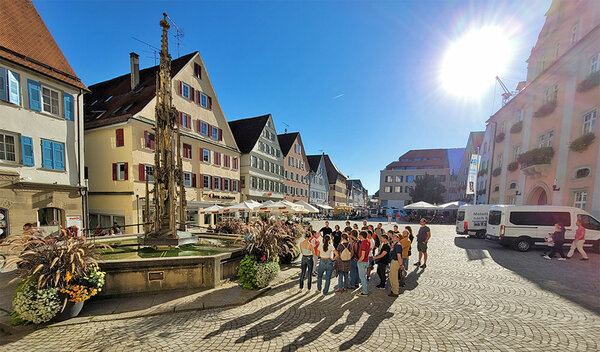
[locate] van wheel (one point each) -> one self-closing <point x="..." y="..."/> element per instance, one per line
<point x="522" y="244"/>
<point x="481" y="234"/>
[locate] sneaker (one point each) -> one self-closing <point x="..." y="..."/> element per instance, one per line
<point x="562" y="258"/>
<point x="417" y="264"/>
<point x="546" y="257"/>
<point x="423" y="266"/>
<point x="584" y="259"/>
<point x="339" y="291"/>
<point x="393" y="295"/>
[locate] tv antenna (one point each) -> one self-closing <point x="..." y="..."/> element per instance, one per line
<point x="152" y="47"/>
<point x="286" y="127"/>
<point x="507" y="93"/>
<point x="178" y="32"/>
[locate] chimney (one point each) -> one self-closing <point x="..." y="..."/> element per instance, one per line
<point x="135" y="69"/>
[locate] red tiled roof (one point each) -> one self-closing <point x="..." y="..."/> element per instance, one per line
<point x="25" y="40"/>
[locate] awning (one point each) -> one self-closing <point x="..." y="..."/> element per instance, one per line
<point x="422" y="206"/>
<point x="324" y="206"/>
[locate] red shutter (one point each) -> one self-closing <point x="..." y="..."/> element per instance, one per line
<point x="188" y="121"/>
<point x="213" y="182"/>
<point x="114" y="171"/>
<point x="220" y="134"/>
<point x="200" y="181"/>
<point x="192" y="93"/>
<point x="210" y="131"/>
<point x="198" y="97"/>
<point x="180" y="118"/>
<point x="222" y="184"/>
<point x="120" y="138"/>
<point x="201" y="154"/>
<point x="152" y="146"/>
<point x="180" y="88"/>
<point x="126" y="171"/>
<point x="142" y="169"/>
<point x="193" y="180"/>
<point x="209" y="102"/>
<point x="198" y="126"/>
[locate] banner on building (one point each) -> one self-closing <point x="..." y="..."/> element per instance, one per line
<point x="472" y="177"/>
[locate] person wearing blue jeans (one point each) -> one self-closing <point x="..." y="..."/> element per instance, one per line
<point x="354" y="280"/>
<point x="363" y="262"/>
<point x="327" y="256"/>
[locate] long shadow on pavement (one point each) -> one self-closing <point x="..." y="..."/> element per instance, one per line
<point x="577" y="281"/>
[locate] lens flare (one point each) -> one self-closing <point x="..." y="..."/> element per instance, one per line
<point x="471" y="64"/>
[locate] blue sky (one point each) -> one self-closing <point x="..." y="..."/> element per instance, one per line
<point x="359" y="80"/>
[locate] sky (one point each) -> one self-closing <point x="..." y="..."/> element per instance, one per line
<point x="360" y="80"/>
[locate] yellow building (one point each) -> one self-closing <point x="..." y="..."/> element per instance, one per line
<point x="120" y="144"/>
<point x="338" y="190"/>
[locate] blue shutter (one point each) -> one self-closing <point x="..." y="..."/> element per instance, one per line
<point x="3" y="84"/>
<point x="59" y="156"/>
<point x="68" y="107"/>
<point x="47" y="155"/>
<point x="14" y="93"/>
<point x="27" y="151"/>
<point x="34" y="95"/>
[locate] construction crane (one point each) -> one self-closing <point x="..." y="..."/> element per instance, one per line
<point x="507" y="94"/>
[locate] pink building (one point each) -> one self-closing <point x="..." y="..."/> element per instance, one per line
<point x="542" y="147"/>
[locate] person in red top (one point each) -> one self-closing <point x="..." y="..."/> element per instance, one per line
<point x="578" y="242"/>
<point x="363" y="261"/>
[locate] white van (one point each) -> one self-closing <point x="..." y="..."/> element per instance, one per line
<point x="524" y="226"/>
<point x="472" y="220"/>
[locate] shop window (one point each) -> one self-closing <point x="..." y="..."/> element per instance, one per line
<point x="50" y="216"/>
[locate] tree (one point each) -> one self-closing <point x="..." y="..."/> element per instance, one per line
<point x="427" y="189"/>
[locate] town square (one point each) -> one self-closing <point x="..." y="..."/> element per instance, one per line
<point x="290" y="175"/>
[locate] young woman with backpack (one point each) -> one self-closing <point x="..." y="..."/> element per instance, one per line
<point x="344" y="255"/>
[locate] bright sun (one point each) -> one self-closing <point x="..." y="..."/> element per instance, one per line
<point x="472" y="62"/>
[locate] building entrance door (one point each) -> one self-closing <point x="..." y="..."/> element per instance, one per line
<point x="538" y="197"/>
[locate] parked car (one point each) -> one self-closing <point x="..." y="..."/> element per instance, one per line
<point x="471" y="220"/>
<point x="525" y="226"/>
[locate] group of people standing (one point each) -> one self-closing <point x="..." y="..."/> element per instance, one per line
<point x="353" y="254"/>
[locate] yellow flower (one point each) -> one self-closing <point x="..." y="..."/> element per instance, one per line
<point x="68" y="277"/>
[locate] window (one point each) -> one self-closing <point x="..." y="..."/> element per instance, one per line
<point x="235" y="185"/>
<point x="588" y="222"/>
<point x="205" y="101"/>
<point x="298" y="148"/>
<point x="580" y="199"/>
<point x="120" y="171"/>
<point x="187" y="151"/>
<point x="407" y="189"/>
<point x="226" y="161"/>
<point x="53" y="155"/>
<point x="389" y="179"/>
<point x="185" y="90"/>
<point x="149" y="173"/>
<point x="206" y="155"/>
<point x="595" y="66"/>
<point x="516" y="152"/>
<point x="185" y="120"/>
<point x="261" y="184"/>
<point x="499" y="160"/>
<point x="583" y="172"/>
<point x="494" y="217"/>
<point x="540" y="218"/>
<point x="50" y="100"/>
<point x="149" y="140"/>
<point x="253" y="161"/>
<point x="589" y="122"/>
<point x="261" y="164"/>
<point x="50" y="216"/>
<point x="519" y="115"/>
<point x="496" y="188"/>
<point x="206" y="181"/>
<point x="8" y="147"/>
<point x="9" y="86"/>
<point x="291" y="161"/>
<point x="388" y="189"/>
<point x="398" y="189"/>
<point x="204" y="128"/>
<point x="545" y="140"/>
<point x="215" y="132"/>
<point x="243" y="179"/>
<point x="409" y="178"/>
<point x="253" y="182"/>
<point x="197" y="71"/>
<point x="187" y="179"/>
<point x="217" y="183"/>
<point x="574" y="30"/>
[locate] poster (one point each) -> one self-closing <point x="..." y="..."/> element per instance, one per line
<point x="74" y="220"/>
<point x="472" y="176"/>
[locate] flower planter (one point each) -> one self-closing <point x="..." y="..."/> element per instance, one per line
<point x="517" y="127"/>
<point x="591" y="81"/>
<point x="500" y="137"/>
<point x="497" y="171"/>
<point x="545" y="109"/>
<point x="535" y="171"/>
<point x="72" y="309"/>
<point x="538" y="156"/>
<point x="582" y="143"/>
<point x="513" y="166"/>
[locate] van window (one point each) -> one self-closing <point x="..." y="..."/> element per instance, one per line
<point x="460" y="216"/>
<point x="495" y="217"/>
<point x="589" y="222"/>
<point x="540" y="218"/>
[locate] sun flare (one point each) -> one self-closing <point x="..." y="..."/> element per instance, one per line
<point x="472" y="62"/>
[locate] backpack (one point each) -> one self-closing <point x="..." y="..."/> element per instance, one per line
<point x="346" y="254"/>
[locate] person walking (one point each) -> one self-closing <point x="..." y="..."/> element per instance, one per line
<point x="422" y="238"/>
<point x="306" y="266"/>
<point x="396" y="264"/>
<point x="315" y="241"/>
<point x="382" y="260"/>
<point x="389" y="217"/>
<point x="363" y="262"/>
<point x="559" y="240"/>
<point x="354" y="244"/>
<point x="336" y="235"/>
<point x="344" y="255"/>
<point x="327" y="257"/>
<point x="405" y="243"/>
<point x="578" y="242"/>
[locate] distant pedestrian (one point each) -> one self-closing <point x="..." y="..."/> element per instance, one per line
<point x="578" y="241"/>
<point x="422" y="238"/>
<point x="354" y="243"/>
<point x="336" y="236"/>
<point x="344" y="256"/>
<point x="559" y="240"/>
<point x="306" y="266"/>
<point x="396" y="229"/>
<point x="395" y="264"/>
<point x="348" y="228"/>
<point x="411" y="237"/>
<point x="365" y="227"/>
<point x="382" y="260"/>
<point x="363" y="261"/>
<point x="326" y="258"/>
<point x="397" y="217"/>
<point x="325" y="230"/>
<point x="389" y="217"/>
<point x="379" y="231"/>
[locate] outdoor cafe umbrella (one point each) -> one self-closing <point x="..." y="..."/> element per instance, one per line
<point x="307" y="206"/>
<point x="422" y="206"/>
<point x="244" y="207"/>
<point x="452" y="205"/>
<point x="284" y="207"/>
<point x="214" y="209"/>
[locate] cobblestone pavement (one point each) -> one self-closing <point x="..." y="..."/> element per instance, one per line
<point x="473" y="296"/>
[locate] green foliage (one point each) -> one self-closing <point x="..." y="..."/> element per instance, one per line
<point x="592" y="80"/>
<point x="247" y="273"/>
<point x="500" y="137"/>
<point x="517" y="127"/>
<point x="496" y="172"/>
<point x="94" y="278"/>
<point x="265" y="273"/>
<point x="582" y="143"/>
<point x="33" y="304"/>
<point x="536" y="156"/>
<point x="16" y="320"/>
<point x="513" y="166"/>
<point x="270" y="241"/>
<point x="427" y="189"/>
<point x="545" y="109"/>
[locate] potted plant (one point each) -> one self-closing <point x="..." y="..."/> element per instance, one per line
<point x="591" y="81"/>
<point x="538" y="156"/>
<point x="517" y="127"/>
<point x="582" y="143"/>
<point x="545" y="109"/>
<point x="513" y="166"/>
<point x="500" y="137"/>
<point x="497" y="171"/>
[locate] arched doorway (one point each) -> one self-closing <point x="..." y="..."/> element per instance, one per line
<point x="538" y="196"/>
